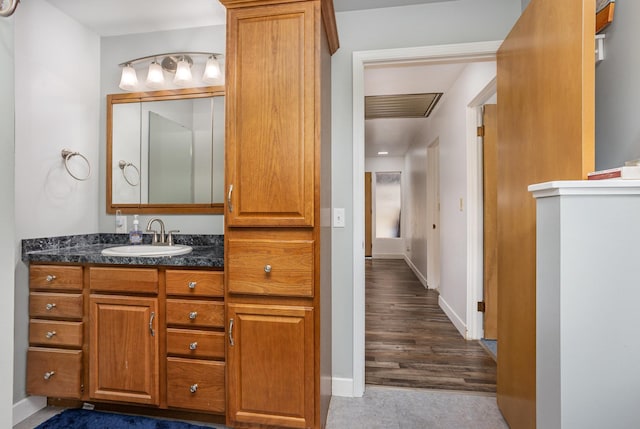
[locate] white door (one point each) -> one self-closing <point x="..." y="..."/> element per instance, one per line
<point x="433" y="215"/>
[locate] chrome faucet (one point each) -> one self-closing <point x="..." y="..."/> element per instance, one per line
<point x="160" y="239"/>
<point x="155" y="233"/>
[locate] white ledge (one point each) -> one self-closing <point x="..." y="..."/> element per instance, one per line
<point x="585" y="187"/>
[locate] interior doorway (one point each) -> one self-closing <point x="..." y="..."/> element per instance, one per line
<point x="433" y="214"/>
<point x="482" y="51"/>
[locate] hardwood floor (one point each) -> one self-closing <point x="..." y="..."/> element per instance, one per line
<point x="410" y="342"/>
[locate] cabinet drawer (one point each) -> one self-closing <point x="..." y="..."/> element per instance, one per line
<point x="51" y="333"/>
<point x="195" y="384"/>
<point x="55" y="305"/>
<point x="195" y="283"/>
<point x="56" y="373"/>
<point x="195" y="313"/>
<point x="55" y="277"/>
<point x="131" y="280"/>
<point x="270" y="267"/>
<point x="197" y="344"/>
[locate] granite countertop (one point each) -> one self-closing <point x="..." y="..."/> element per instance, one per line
<point x="208" y="250"/>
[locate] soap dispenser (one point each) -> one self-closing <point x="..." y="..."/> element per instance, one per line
<point x="135" y="235"/>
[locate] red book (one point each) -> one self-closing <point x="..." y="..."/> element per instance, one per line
<point x="626" y="172"/>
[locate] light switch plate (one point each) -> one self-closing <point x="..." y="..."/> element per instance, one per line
<point x="338" y="217"/>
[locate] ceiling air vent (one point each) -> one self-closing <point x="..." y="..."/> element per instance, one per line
<point x="400" y="105"/>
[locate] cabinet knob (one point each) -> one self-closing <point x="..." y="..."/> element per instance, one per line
<point x="50" y="334"/>
<point x="193" y="345"/>
<point x="50" y="306"/>
<point x="51" y="278"/>
<point x="193" y="315"/>
<point x="193" y="388"/>
<point x="192" y="285"/>
<point x="48" y="375"/>
<point x="267" y="268"/>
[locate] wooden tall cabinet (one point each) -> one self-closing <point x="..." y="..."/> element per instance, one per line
<point x="277" y="243"/>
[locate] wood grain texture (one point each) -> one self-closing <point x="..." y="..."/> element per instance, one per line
<point x="205" y="283"/>
<point x="64" y="367"/>
<point x="55" y="333"/>
<point x="50" y="277"/>
<point x="270" y="136"/>
<point x="56" y="305"/>
<point x="410" y="342"/>
<point x="126" y="280"/>
<point x="208" y="345"/>
<point x="271" y="365"/>
<point x="124" y="364"/>
<point x="196" y="313"/>
<point x="196" y="385"/>
<point x="546" y="87"/>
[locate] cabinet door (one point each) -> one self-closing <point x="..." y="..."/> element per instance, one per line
<point x="270" y="365"/>
<point x="124" y="349"/>
<point x="270" y="139"/>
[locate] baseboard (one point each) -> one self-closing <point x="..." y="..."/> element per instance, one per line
<point x="417" y="272"/>
<point x="27" y="407"/>
<point x="388" y="256"/>
<point x="455" y="319"/>
<point x="342" y="387"/>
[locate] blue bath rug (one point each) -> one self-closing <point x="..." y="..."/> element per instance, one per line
<point x="77" y="418"/>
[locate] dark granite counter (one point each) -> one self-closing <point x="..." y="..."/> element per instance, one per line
<point x="208" y="250"/>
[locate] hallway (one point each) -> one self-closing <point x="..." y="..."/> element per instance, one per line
<point x="410" y="342"/>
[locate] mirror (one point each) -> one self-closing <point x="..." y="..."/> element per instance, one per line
<point x="165" y="151"/>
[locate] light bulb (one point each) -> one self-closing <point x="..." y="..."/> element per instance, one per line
<point x="155" y="76"/>
<point x="183" y="73"/>
<point x="212" y="71"/>
<point x="129" y="79"/>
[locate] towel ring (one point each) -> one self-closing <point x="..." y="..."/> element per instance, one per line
<point x="123" y="166"/>
<point x="67" y="155"/>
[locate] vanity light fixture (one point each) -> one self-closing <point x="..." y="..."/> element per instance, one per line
<point x="383" y="152"/>
<point x="178" y="63"/>
<point x="155" y="75"/>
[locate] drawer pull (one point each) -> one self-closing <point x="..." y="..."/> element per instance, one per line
<point x="229" y="198"/>
<point x="231" y="342"/>
<point x="51" y="278"/>
<point x="50" y="334"/>
<point x="192" y="285"/>
<point x="48" y="375"/>
<point x="193" y="388"/>
<point x="193" y="315"/>
<point x="267" y="268"/>
<point x="193" y="345"/>
<point x="153" y="315"/>
<point x="50" y="306"/>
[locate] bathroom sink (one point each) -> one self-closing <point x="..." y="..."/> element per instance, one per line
<point x="147" y="250"/>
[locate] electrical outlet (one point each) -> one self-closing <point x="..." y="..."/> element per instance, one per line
<point x="121" y="223"/>
<point x="338" y="218"/>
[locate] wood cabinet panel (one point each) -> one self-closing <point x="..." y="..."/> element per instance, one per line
<point x="50" y="333"/>
<point x="196" y="385"/>
<point x="271" y="365"/>
<point x="55" y="277"/>
<point x="270" y="149"/>
<point x="126" y="280"/>
<point x="54" y="372"/>
<point x="195" y="283"/>
<point x="195" y="343"/>
<point x="270" y="267"/>
<point x="56" y="305"/>
<point x="197" y="313"/>
<point x="124" y="349"/>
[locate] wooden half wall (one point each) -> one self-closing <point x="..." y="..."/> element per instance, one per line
<point x="546" y="113"/>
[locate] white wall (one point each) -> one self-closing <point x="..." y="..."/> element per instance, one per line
<point x="617" y="90"/>
<point x="449" y="124"/>
<point x="389" y="248"/>
<point x="416" y="226"/>
<point x="118" y="49"/>
<point x="8" y="243"/>
<point x="418" y="25"/>
<point x="57" y="106"/>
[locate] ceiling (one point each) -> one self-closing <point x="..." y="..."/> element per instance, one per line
<point x="118" y="17"/>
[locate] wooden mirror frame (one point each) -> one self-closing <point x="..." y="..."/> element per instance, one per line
<point x="136" y="97"/>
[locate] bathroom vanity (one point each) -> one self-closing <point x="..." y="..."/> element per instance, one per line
<point x="128" y="330"/>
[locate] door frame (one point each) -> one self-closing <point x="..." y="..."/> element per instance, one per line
<point x="437" y="54"/>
